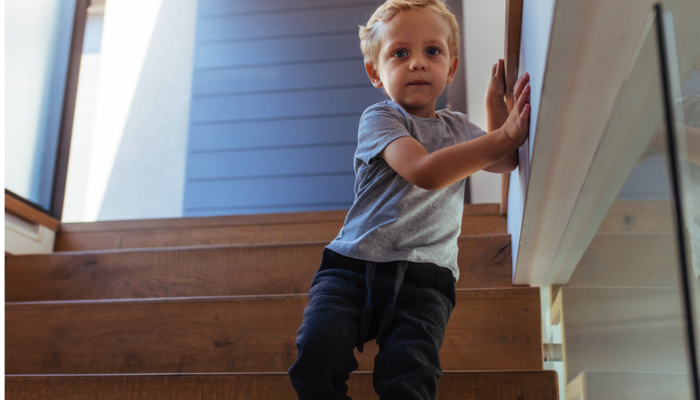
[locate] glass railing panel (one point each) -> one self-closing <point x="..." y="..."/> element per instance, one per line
<point x="621" y="315"/>
<point x="682" y="23"/>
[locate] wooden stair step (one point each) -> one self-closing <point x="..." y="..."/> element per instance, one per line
<point x="612" y="385"/>
<point x="510" y="385"/>
<point x="484" y="261"/>
<point x="320" y="226"/>
<point x="490" y="329"/>
<point x="621" y="329"/>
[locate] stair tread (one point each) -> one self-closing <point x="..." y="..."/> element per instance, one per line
<point x="541" y="385"/>
<point x="484" y="261"/>
<point x="238" y="220"/>
<point x="490" y="329"/>
<point x="263" y="228"/>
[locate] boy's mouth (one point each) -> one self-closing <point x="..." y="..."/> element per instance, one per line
<point x="418" y="82"/>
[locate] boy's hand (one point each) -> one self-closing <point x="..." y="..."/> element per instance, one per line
<point x="496" y="90"/>
<point x="517" y="126"/>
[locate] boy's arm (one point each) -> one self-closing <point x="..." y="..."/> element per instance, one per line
<point x="497" y="114"/>
<point x="451" y="164"/>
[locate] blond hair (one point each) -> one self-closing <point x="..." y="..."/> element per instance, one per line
<point x="369" y="37"/>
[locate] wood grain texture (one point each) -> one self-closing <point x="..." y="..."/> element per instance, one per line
<point x="490" y="329"/>
<point x="242" y="229"/>
<point x="514" y="20"/>
<point x="511" y="385"/>
<point x="489" y="209"/>
<point x="29" y="213"/>
<point x="505" y="187"/>
<point x="484" y="261"/>
<point x="595" y="385"/>
<point x="621" y="329"/>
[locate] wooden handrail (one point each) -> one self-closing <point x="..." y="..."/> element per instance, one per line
<point x="514" y="18"/>
<point x="29" y="213"/>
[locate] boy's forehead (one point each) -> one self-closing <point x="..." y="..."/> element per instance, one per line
<point x="409" y="25"/>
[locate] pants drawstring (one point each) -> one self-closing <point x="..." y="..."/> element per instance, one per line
<point x="366" y="317"/>
<point x="389" y="313"/>
<point x="388" y="318"/>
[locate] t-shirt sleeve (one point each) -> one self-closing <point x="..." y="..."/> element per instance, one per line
<point x="379" y="126"/>
<point x="472" y="131"/>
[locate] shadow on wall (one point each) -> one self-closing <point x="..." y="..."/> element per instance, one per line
<point x="148" y="175"/>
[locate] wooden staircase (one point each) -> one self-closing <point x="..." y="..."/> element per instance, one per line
<point x="208" y="308"/>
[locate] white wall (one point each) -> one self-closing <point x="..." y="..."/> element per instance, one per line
<point x="484" y="43"/>
<point x="138" y="152"/>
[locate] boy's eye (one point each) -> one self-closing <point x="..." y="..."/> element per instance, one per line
<point x="433" y="51"/>
<point x="400" y="53"/>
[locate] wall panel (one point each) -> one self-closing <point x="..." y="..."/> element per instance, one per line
<point x="278" y="88"/>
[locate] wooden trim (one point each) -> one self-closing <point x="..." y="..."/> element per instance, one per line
<point x="514" y="19"/>
<point x="29" y="213"/>
<point x="69" y="97"/>
<point x="511" y="61"/>
<point x="505" y="186"/>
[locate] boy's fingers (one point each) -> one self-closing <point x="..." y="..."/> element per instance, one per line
<point x="523" y="99"/>
<point x="494" y="68"/>
<point x="520" y="89"/>
<point x="520" y="83"/>
<point x="524" y="117"/>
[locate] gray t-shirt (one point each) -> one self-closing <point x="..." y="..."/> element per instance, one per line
<point x="392" y="219"/>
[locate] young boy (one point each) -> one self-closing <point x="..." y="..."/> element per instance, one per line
<point x="391" y="272"/>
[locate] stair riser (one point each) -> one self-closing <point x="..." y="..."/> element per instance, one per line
<point x="489" y="330"/>
<point x="322" y="231"/>
<point x="485" y="261"/>
<point x="539" y="385"/>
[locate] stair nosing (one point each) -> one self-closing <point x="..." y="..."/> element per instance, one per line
<point x="233" y="297"/>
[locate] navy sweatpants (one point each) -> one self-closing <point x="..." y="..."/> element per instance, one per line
<point x="404" y="305"/>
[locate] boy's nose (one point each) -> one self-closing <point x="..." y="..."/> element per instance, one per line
<point x="418" y="63"/>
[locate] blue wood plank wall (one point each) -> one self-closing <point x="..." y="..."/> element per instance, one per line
<point x="278" y="88"/>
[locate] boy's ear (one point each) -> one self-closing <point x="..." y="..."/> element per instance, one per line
<point x="452" y="70"/>
<point x="373" y="75"/>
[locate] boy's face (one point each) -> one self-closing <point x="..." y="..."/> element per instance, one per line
<point x="414" y="65"/>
